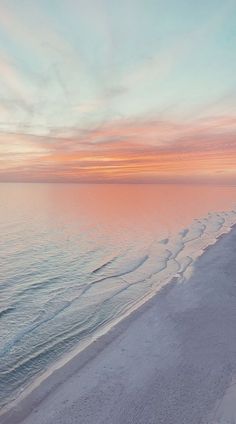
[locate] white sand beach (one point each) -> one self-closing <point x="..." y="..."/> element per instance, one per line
<point x="173" y="361"/>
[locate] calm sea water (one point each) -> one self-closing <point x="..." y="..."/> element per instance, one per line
<point x="75" y="257"/>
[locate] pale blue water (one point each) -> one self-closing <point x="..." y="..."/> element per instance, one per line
<point x="75" y="257"/>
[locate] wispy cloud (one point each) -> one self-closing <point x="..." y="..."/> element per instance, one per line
<point x="87" y="94"/>
<point x="126" y="151"/>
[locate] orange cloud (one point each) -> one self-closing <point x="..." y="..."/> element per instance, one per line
<point x="125" y="151"/>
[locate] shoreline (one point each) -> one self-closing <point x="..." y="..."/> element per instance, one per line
<point x="37" y="390"/>
<point x="61" y="376"/>
<point x="177" y="267"/>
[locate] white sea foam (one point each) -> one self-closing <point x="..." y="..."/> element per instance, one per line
<point x="172" y="256"/>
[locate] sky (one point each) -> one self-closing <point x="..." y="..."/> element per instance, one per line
<point x="118" y="91"/>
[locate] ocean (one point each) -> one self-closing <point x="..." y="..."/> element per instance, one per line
<point x="74" y="259"/>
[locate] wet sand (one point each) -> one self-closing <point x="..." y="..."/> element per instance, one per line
<point x="173" y="361"/>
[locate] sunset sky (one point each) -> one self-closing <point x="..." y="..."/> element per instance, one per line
<point x="118" y="91"/>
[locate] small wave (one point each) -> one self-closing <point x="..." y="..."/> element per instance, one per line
<point x="194" y="232"/>
<point x="184" y="232"/>
<point x="6" y="311"/>
<point x="51" y="310"/>
<point x="202" y="233"/>
<point x="103" y="266"/>
<point x="40" y="285"/>
<point x="164" y="241"/>
<point x="127" y="269"/>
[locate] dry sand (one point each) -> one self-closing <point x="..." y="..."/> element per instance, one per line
<point x="171" y="362"/>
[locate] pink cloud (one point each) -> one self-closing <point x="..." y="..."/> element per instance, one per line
<point x="126" y="151"/>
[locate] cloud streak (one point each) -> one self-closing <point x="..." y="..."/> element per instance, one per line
<point x="125" y="151"/>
